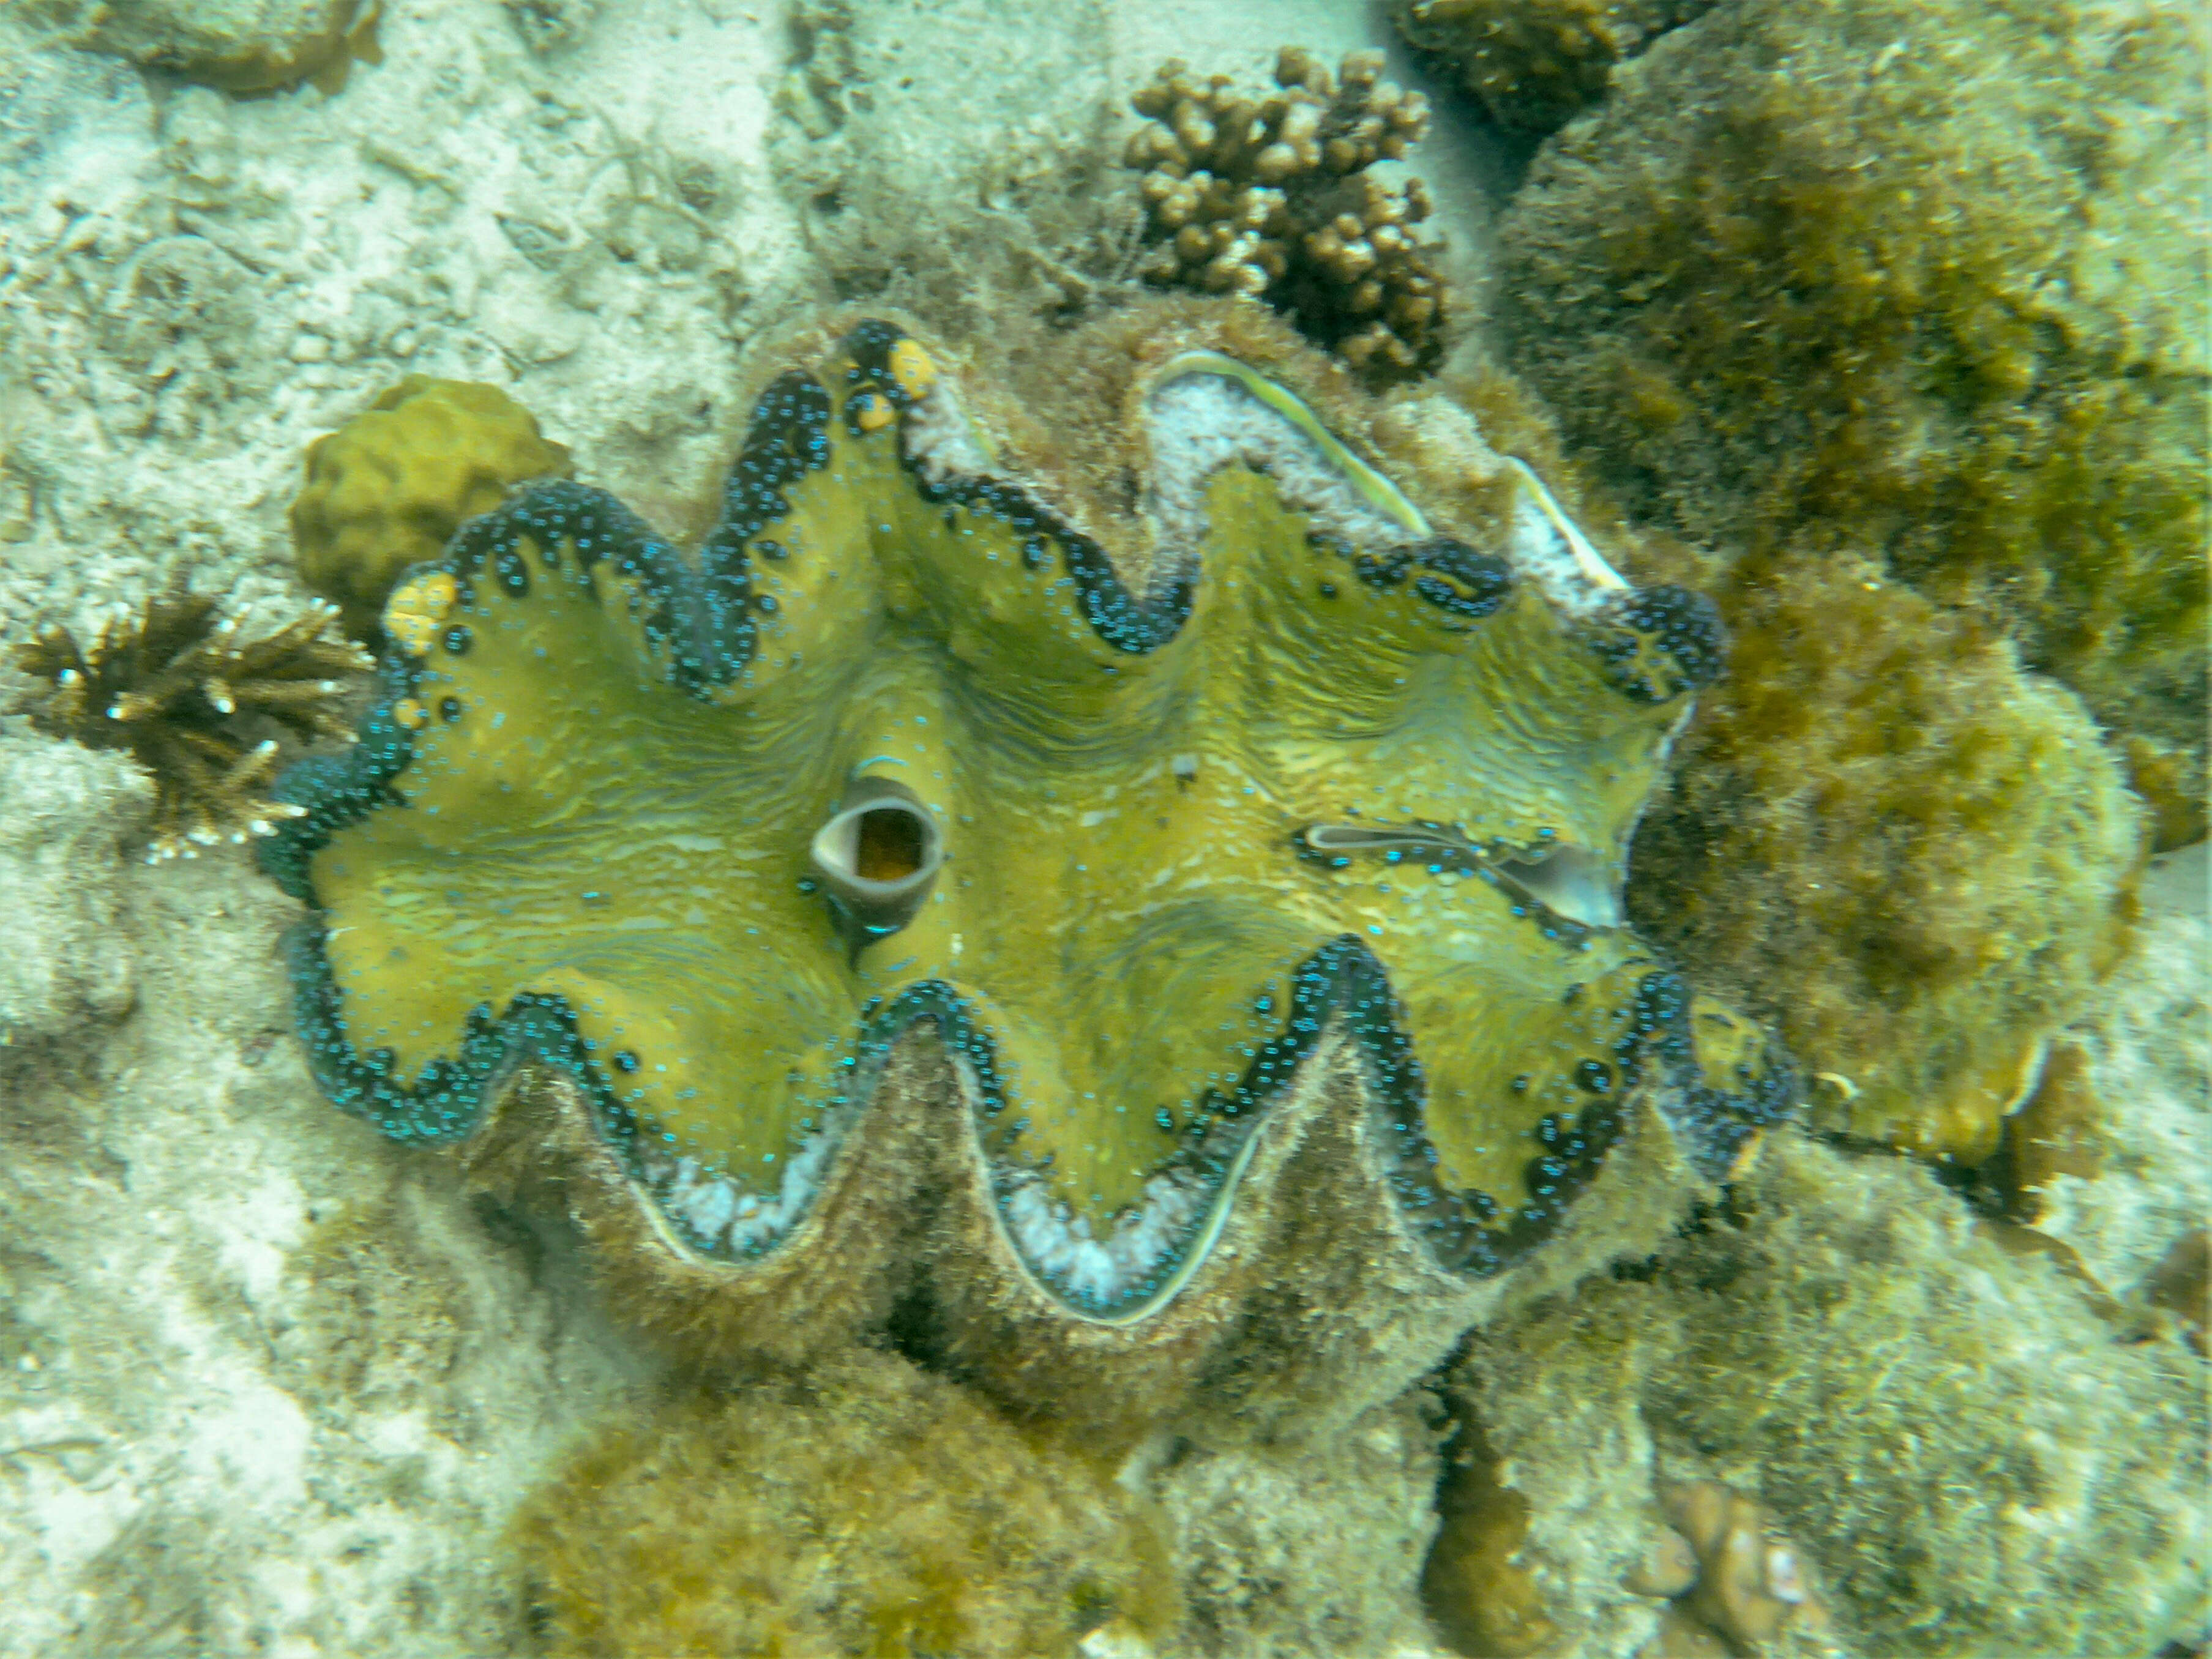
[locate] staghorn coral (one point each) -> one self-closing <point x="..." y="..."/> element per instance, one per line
<point x="1917" y="282"/>
<point x="388" y="489"/>
<point x="1273" y="198"/>
<point x="866" y="1508"/>
<point x="1536" y="64"/>
<point x="905" y="839"/>
<point x="182" y="693"/>
<point x="1890" y="840"/>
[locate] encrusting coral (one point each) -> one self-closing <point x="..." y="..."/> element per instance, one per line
<point x="239" y="47"/>
<point x="866" y="1509"/>
<point x="1739" y="1581"/>
<point x="183" y="694"/>
<point x="1536" y="64"/>
<point x="388" y="489"/>
<point x="1272" y="198"/>
<point x="1191" y="858"/>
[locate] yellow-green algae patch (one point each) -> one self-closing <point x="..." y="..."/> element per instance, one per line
<point x="1131" y="843"/>
<point x="1921" y="279"/>
<point x="1905" y="849"/>
<point x="1894" y="309"/>
<point x="866" y="1508"/>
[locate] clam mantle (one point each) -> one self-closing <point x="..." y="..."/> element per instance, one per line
<point x="1092" y="908"/>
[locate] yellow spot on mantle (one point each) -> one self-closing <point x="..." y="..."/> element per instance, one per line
<point x="872" y="413"/>
<point x="418" y="609"/>
<point x="912" y="369"/>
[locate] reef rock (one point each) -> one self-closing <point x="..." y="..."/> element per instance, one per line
<point x="1944" y="1429"/>
<point x="1921" y="280"/>
<point x="864" y="1507"/>
<point x="1536" y="64"/>
<point x="1911" y="856"/>
<point x="1884" y="307"/>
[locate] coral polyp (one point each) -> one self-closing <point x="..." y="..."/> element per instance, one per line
<point x="1294" y="816"/>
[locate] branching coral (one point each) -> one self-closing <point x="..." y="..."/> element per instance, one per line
<point x="183" y="692"/>
<point x="1271" y="198"/>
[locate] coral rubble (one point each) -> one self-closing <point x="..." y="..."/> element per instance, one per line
<point x="187" y="697"/>
<point x="1273" y="198"/>
<point x="1536" y="64"/>
<point x="967" y="193"/>
<point x="1290" y="766"/>
<point x="70" y="814"/>
<point x="388" y="489"/>
<point x="866" y="1508"/>
<point x="262" y="1384"/>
